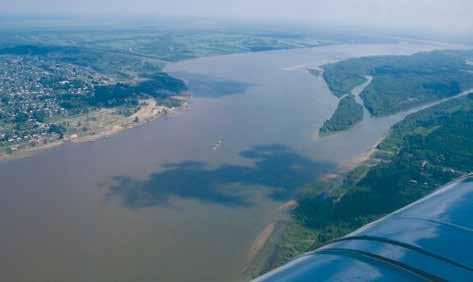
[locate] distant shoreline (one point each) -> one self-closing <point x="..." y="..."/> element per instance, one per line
<point x="151" y="111"/>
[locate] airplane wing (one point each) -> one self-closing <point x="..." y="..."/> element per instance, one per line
<point x="429" y="240"/>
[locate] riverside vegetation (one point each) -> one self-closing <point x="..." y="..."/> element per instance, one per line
<point x="399" y="83"/>
<point x="421" y="153"/>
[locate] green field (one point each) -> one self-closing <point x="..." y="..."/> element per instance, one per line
<point x="171" y="44"/>
<point x="176" y="40"/>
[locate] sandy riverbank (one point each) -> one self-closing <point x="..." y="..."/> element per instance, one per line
<point x="260" y="251"/>
<point x="260" y="244"/>
<point x="268" y="233"/>
<point x="349" y="165"/>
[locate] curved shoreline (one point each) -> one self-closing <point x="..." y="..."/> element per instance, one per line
<point x="152" y="111"/>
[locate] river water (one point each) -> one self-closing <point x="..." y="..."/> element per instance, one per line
<point x="182" y="198"/>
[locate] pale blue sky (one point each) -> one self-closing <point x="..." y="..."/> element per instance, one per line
<point x="431" y="15"/>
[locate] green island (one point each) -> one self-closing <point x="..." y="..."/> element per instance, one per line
<point x="347" y="114"/>
<point x="426" y="150"/>
<point x="401" y="83"/>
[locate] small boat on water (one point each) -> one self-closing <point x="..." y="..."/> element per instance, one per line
<point x="217" y="145"/>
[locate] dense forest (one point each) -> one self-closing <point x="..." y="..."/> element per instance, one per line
<point x="426" y="150"/>
<point x="402" y="82"/>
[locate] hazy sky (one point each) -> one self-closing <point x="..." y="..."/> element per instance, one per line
<point x="432" y="15"/>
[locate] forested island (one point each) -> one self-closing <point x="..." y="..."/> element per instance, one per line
<point x="347" y="114"/>
<point x="421" y="153"/>
<point x="399" y="83"/>
<point x="402" y="82"/>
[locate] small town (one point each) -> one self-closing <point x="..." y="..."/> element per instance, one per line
<point x="34" y="94"/>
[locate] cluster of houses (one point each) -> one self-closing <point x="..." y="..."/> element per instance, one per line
<point x="31" y="96"/>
